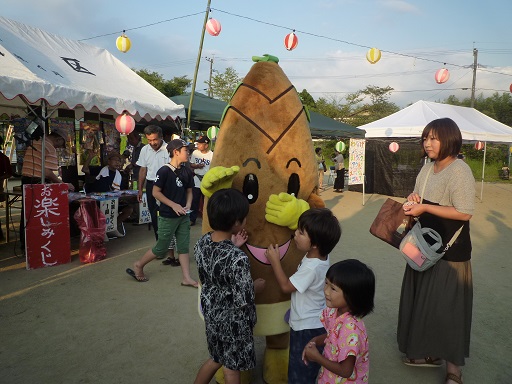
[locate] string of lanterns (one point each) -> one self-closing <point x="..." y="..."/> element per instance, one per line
<point x="291" y="41"/>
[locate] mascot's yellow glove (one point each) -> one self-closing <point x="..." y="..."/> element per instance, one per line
<point x="284" y="210"/>
<point x="218" y="178"/>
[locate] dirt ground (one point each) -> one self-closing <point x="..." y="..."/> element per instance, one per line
<point x="93" y="323"/>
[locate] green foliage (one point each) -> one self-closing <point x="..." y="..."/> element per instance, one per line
<point x="498" y="107"/>
<point x="307" y="100"/>
<point x="224" y="84"/>
<point x="174" y="87"/>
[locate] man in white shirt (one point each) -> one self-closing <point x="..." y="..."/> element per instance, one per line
<point x="152" y="156"/>
<point x="200" y="164"/>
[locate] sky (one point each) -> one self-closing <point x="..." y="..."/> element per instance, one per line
<point x="416" y="37"/>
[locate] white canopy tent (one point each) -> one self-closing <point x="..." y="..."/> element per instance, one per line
<point x="37" y="67"/>
<point x="410" y="122"/>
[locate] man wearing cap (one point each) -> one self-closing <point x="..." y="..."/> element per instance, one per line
<point x="32" y="167"/>
<point x="152" y="157"/>
<point x="200" y="164"/>
<point x="173" y="189"/>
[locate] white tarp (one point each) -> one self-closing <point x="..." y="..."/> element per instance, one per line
<point x="410" y="121"/>
<point x="36" y="65"/>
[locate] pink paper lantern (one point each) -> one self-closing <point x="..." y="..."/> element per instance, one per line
<point x="442" y="76"/>
<point x="479" y="145"/>
<point x="213" y="27"/>
<point x="393" y="147"/>
<point x="125" y="124"/>
<point x="291" y="41"/>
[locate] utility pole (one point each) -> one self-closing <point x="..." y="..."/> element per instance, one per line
<point x="210" y="60"/>
<point x="189" y="112"/>
<point x="475" y="65"/>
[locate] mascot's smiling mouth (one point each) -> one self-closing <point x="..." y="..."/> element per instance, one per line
<point x="259" y="253"/>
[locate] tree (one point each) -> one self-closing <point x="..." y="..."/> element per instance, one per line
<point x="224" y="84"/>
<point x="174" y="87"/>
<point x="498" y="107"/>
<point x="376" y="109"/>
<point x="307" y="100"/>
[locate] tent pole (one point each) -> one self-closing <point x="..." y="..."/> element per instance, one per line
<point x="189" y="113"/>
<point x="43" y="144"/>
<point x="483" y="173"/>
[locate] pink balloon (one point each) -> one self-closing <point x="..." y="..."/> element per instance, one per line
<point x="442" y="76"/>
<point x="393" y="147"/>
<point x="291" y="41"/>
<point x="213" y="27"/>
<point x="479" y="145"/>
<point x="125" y="124"/>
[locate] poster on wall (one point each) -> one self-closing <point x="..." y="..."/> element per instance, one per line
<point x="356" y="161"/>
<point x="65" y="128"/>
<point x="46" y="215"/>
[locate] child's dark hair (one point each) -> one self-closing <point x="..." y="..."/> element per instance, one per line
<point x="225" y="208"/>
<point x="322" y="228"/>
<point x="357" y="282"/>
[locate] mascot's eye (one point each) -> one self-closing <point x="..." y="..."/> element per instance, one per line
<point x="250" y="188"/>
<point x="293" y="185"/>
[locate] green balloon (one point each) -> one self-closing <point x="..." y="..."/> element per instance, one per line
<point x="212" y="132"/>
<point x="340" y="146"/>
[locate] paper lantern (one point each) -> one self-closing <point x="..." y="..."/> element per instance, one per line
<point x="125" y="124"/>
<point x="442" y="76"/>
<point x="479" y="145"/>
<point x="123" y="43"/>
<point x="393" y="147"/>
<point x="373" y="55"/>
<point x="510" y="88"/>
<point x="213" y="27"/>
<point x="212" y="132"/>
<point x="291" y="41"/>
<point x="340" y="146"/>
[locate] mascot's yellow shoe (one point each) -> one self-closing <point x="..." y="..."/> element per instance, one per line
<point x="245" y="377"/>
<point x="275" y="366"/>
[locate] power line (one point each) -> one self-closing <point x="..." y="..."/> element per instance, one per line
<point x="143" y="26"/>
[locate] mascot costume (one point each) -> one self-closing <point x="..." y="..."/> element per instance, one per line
<point x="264" y="149"/>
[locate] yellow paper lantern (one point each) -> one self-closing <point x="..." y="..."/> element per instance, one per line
<point x="123" y="43"/>
<point x="373" y="55"/>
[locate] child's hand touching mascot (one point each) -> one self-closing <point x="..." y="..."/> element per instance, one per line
<point x="264" y="149"/>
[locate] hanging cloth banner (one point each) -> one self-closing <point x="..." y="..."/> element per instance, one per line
<point x="356" y="161"/>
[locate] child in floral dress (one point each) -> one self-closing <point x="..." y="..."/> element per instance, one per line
<point x="349" y="293"/>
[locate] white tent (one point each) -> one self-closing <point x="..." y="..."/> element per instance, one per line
<point x="38" y="67"/>
<point x="410" y="121"/>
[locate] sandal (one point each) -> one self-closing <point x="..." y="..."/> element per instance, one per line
<point x="427" y="362"/>
<point x="454" y="377"/>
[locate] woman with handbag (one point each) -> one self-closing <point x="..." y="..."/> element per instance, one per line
<point x="434" y="320"/>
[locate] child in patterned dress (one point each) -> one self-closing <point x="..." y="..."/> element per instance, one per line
<point x="349" y="293"/>
<point x="227" y="289"/>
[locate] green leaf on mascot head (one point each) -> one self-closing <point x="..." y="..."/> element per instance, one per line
<point x="306" y="110"/>
<point x="224" y="113"/>
<point x="265" y="57"/>
<point x="236" y="89"/>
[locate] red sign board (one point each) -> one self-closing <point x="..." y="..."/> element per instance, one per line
<point x="46" y="209"/>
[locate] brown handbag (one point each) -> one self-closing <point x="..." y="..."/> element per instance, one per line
<point x="391" y="223"/>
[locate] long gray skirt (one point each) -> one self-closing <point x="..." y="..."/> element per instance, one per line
<point x="434" y="319"/>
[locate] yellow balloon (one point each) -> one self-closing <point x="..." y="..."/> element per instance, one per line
<point x="123" y="43"/>
<point x="373" y="55"/>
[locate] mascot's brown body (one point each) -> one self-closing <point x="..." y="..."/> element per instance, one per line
<point x="265" y="136"/>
